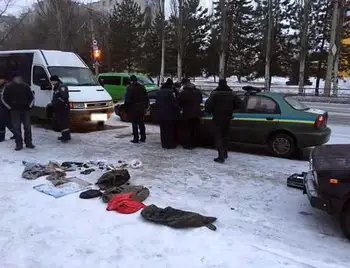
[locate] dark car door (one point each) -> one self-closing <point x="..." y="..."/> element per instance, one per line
<point x="258" y="118"/>
<point x="152" y="94"/>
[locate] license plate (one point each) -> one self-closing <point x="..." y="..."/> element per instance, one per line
<point x="98" y="117"/>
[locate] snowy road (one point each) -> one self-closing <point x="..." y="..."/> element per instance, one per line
<point x="261" y="223"/>
<point x="338" y="113"/>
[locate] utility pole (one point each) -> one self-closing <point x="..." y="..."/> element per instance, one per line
<point x="180" y="45"/>
<point x="223" y="40"/>
<point x="332" y="49"/>
<point x="162" y="64"/>
<point x="338" y="43"/>
<point x="94" y="43"/>
<point x="304" y="45"/>
<point x="268" y="47"/>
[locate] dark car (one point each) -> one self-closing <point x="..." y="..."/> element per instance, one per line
<point x="266" y="118"/>
<point x="327" y="184"/>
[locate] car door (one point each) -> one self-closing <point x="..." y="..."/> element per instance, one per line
<point x="112" y="85"/>
<point x="256" y="120"/>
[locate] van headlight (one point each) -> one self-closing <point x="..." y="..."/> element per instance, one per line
<point x="110" y="103"/>
<point x="77" y="105"/>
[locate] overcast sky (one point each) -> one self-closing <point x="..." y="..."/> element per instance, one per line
<point x="21" y="5"/>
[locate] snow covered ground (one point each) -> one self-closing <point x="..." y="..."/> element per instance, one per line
<point x="261" y="223"/>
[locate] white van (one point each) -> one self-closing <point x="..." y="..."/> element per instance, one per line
<point x="89" y="101"/>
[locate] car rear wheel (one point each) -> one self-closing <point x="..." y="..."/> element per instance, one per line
<point x="282" y="145"/>
<point x="123" y="115"/>
<point x="345" y="221"/>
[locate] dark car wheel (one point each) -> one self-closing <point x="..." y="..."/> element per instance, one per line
<point x="345" y="221"/>
<point x="282" y="145"/>
<point x="123" y="115"/>
<point x="54" y="123"/>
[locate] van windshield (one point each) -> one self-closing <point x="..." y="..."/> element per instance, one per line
<point x="144" y="80"/>
<point x="74" y="76"/>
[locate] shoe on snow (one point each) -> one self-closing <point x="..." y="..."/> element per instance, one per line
<point x="219" y="160"/>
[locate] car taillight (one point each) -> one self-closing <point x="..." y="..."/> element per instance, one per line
<point x="320" y="120"/>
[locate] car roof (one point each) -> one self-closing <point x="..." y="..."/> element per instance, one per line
<point x="122" y="74"/>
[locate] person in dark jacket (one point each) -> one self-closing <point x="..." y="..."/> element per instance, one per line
<point x="60" y="103"/>
<point x="190" y="99"/>
<point x="19" y="99"/>
<point x="221" y="103"/>
<point x="136" y="103"/>
<point x="168" y="113"/>
<point x="5" y="115"/>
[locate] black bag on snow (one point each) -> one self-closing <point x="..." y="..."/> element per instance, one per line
<point x="90" y="194"/>
<point x="113" y="178"/>
<point x="177" y="218"/>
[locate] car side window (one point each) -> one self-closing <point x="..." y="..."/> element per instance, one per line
<point x="262" y="105"/>
<point x="110" y="80"/>
<point x="126" y="81"/>
<point x="39" y="76"/>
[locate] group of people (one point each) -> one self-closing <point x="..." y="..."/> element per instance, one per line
<point x="17" y="99"/>
<point x="179" y="113"/>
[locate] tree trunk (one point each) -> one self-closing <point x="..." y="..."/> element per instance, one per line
<point x="268" y="47"/>
<point x="223" y="40"/>
<point x="180" y="45"/>
<point x="338" y="43"/>
<point x="162" y="64"/>
<point x="304" y="46"/>
<point x="330" y="60"/>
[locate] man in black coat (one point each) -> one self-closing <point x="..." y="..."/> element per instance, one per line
<point x="168" y="113"/>
<point x="5" y="115"/>
<point x="19" y="99"/>
<point x="221" y="103"/>
<point x="190" y="99"/>
<point x="60" y="103"/>
<point x="136" y="103"/>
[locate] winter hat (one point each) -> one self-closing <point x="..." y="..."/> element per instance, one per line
<point x="55" y="78"/>
<point x="133" y="78"/>
<point x="169" y="82"/>
<point x="16" y="74"/>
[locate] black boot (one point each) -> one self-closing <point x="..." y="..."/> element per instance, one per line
<point x="220" y="158"/>
<point x="30" y="145"/>
<point x="18" y="147"/>
<point x="225" y="154"/>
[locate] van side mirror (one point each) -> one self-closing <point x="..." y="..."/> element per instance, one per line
<point x="45" y="84"/>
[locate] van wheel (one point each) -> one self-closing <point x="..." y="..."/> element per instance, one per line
<point x="54" y="123"/>
<point x="282" y="145"/>
<point x="345" y="221"/>
<point x="123" y="115"/>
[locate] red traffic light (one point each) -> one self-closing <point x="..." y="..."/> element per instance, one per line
<point x="97" y="54"/>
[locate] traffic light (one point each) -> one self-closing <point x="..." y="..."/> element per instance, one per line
<point x="97" y="54"/>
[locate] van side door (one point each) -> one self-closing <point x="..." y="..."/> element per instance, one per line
<point x="112" y="84"/>
<point x="42" y="96"/>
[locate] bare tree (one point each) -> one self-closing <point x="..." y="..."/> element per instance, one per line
<point x="304" y="43"/>
<point x="268" y="46"/>
<point x="180" y="41"/>
<point x="223" y="40"/>
<point x="5" y="5"/>
<point x="162" y="64"/>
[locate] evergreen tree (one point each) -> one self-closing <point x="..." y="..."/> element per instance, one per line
<point x="195" y="37"/>
<point x="127" y="34"/>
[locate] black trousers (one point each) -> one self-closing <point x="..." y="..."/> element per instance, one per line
<point x="190" y="133"/>
<point x="221" y="135"/>
<point x="62" y="115"/>
<point x="168" y="134"/>
<point x="138" y="123"/>
<point x="20" y="117"/>
<point x="5" y="122"/>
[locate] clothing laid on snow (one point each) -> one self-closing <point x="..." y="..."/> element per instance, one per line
<point x="60" y="103"/>
<point x="136" y="103"/>
<point x="140" y="193"/>
<point x="33" y="171"/>
<point x="123" y="203"/>
<point x="113" y="178"/>
<point x="90" y="194"/>
<point x="177" y="218"/>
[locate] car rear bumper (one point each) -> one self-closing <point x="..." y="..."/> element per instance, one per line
<point x="305" y="140"/>
<point x="315" y="199"/>
<point x="85" y="115"/>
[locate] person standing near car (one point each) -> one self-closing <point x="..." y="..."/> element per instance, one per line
<point x="18" y="97"/>
<point x="5" y="115"/>
<point x="221" y="103"/>
<point x="60" y="104"/>
<point x="136" y="103"/>
<point x="168" y="113"/>
<point x="190" y="100"/>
